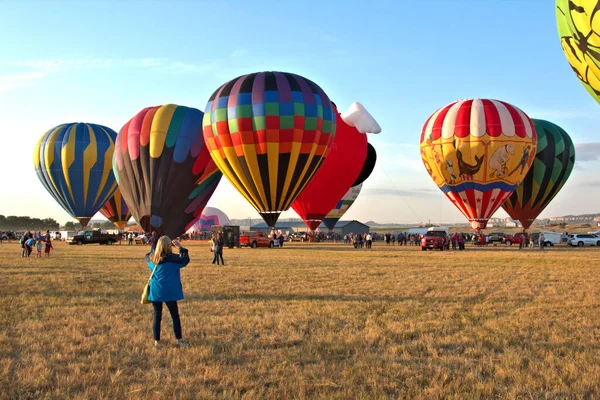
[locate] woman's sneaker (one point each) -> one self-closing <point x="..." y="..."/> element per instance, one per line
<point x="182" y="343"/>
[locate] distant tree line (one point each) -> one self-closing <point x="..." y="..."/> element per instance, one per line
<point x="15" y="223"/>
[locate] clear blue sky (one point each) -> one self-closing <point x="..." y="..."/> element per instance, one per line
<point x="102" y="62"/>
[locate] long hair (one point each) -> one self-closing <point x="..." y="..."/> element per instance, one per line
<point x="163" y="247"/>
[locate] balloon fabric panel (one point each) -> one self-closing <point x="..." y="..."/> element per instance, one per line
<point x="116" y="210"/>
<point x="580" y="40"/>
<point x="335" y="177"/>
<point x="477" y="152"/>
<point x="269" y="132"/>
<point x="341" y="207"/>
<point x="164" y="171"/>
<point x="73" y="162"/>
<point x="368" y="166"/>
<point x="554" y="161"/>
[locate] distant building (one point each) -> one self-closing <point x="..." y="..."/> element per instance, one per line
<point x="342" y="228"/>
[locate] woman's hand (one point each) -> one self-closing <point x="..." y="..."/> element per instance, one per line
<point x="176" y="243"/>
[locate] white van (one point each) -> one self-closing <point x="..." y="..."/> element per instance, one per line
<point x="551" y="238"/>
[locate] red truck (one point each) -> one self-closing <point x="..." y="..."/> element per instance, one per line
<point x="256" y="239"/>
<point x="435" y="239"/>
<point x="509" y="240"/>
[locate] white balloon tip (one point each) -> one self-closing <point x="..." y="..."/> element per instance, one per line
<point x="357" y="116"/>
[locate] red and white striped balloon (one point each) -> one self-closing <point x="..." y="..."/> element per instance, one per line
<point x="477" y="152"/>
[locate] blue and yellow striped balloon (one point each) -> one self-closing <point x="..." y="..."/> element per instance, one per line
<point x="74" y="163"/>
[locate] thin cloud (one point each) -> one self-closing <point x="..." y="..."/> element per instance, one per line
<point x="54" y="66"/>
<point x="14" y="81"/>
<point x="587" y="152"/>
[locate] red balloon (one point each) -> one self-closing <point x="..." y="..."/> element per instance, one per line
<point x="336" y="175"/>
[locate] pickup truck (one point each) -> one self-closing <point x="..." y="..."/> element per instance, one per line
<point x="88" y="237"/>
<point x="435" y="239"/>
<point x="256" y="239"/>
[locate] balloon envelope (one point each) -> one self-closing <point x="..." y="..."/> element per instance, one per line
<point x="164" y="170"/>
<point x="73" y="162"/>
<point x="210" y="217"/>
<point x="341" y="207"/>
<point x="368" y="166"/>
<point x="116" y="210"/>
<point x="269" y="132"/>
<point x="335" y="176"/>
<point x="580" y="40"/>
<point x="553" y="163"/>
<point x="477" y="152"/>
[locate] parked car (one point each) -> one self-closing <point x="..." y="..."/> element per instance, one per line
<point x="435" y="239"/>
<point x="496" y="237"/>
<point x="583" y="239"/>
<point x="298" y="237"/>
<point x="90" y="237"/>
<point x="256" y="239"/>
<point x="509" y="240"/>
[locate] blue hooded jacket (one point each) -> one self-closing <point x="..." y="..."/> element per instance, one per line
<point x="165" y="284"/>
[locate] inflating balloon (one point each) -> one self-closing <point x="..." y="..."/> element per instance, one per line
<point x="339" y="170"/>
<point x="477" y="152"/>
<point x="579" y="34"/>
<point x="165" y="173"/>
<point x="73" y="162"/>
<point x="341" y="207"/>
<point x="368" y="166"/>
<point x="116" y="210"/>
<point x="553" y="163"/>
<point x="269" y="132"/>
<point x="210" y="217"/>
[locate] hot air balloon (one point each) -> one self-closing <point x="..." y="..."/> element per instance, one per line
<point x="580" y="40"/>
<point x="339" y="170"/>
<point x="368" y="166"/>
<point x="477" y="152"/>
<point x="116" y="210"/>
<point x="164" y="170"/>
<point x="73" y="162"/>
<point x="553" y="163"/>
<point x="269" y="132"/>
<point x="341" y="207"/>
<point x="210" y="217"/>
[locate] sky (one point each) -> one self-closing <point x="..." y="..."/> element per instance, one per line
<point x="102" y="62"/>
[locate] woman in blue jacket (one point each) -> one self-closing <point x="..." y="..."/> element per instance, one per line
<point x="165" y="285"/>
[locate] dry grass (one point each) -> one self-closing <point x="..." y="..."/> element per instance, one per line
<point x="315" y="320"/>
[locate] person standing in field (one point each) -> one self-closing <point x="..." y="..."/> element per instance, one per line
<point x="38" y="248"/>
<point x="369" y="240"/>
<point x="541" y="241"/>
<point x="48" y="247"/>
<point x="23" y="248"/>
<point x="219" y="248"/>
<point x="153" y="240"/>
<point x="165" y="284"/>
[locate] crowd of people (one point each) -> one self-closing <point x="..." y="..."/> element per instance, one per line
<point x="42" y="243"/>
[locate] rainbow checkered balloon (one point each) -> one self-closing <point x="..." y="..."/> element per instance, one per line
<point x="269" y="132"/>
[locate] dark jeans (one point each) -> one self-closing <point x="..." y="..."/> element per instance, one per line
<point x="218" y="254"/>
<point x="172" y="306"/>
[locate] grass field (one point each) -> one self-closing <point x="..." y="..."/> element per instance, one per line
<point x="308" y="320"/>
